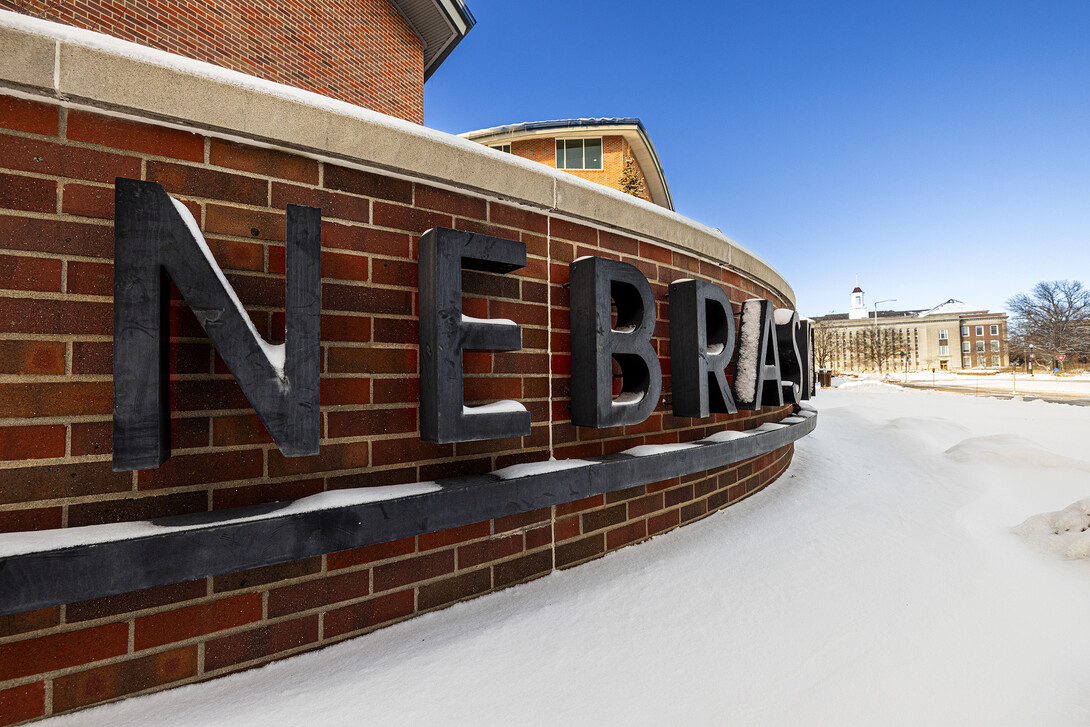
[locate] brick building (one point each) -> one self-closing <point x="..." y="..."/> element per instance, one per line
<point x="117" y="582"/>
<point x="594" y="149"/>
<point x="951" y="336"/>
<point x="372" y="53"/>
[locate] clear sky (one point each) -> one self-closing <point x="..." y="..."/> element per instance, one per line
<point x="936" y="149"/>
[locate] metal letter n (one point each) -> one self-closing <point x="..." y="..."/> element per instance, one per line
<point x="156" y="236"/>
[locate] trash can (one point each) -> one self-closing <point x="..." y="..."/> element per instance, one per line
<point x="825" y="378"/>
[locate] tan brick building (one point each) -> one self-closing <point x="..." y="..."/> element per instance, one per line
<point x="951" y="336"/>
<point x="593" y="149"/>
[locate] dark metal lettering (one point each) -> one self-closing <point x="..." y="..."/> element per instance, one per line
<point x="787" y="347"/>
<point x="156" y="237"/>
<point x="445" y="333"/>
<point x="701" y="348"/>
<point x="757" y="367"/>
<point x="596" y="344"/>
<point x="804" y="341"/>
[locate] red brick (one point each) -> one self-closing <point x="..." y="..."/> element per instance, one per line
<point x="395" y="272"/>
<point x="35" y="518"/>
<point x="266" y="574"/>
<point x="370" y="553"/>
<point x="456" y="588"/>
<point x="70" y="398"/>
<point x="40" y="442"/>
<point x="31" y="357"/>
<point x="522" y="569"/>
<point x="413" y="570"/>
<point x="345" y="391"/>
<point x="319" y="592"/>
<point x="87" y="200"/>
<point x="267" y="162"/>
<point x="90" y="278"/>
<point x="521" y="520"/>
<point x="359" y="299"/>
<point x="371" y="360"/>
<point x="453" y="203"/>
<point x="261" y="642"/>
<point x="515" y="217"/>
<point x="452" y="536"/>
<point x="263" y="492"/>
<point x="30" y="194"/>
<point x="367" y="614"/>
<point x="28" y="273"/>
<point x="238" y="430"/>
<point x="244" y="222"/>
<point x="576" y="551"/>
<point x="27" y="621"/>
<point x="331" y="457"/>
<point x="367" y="184"/>
<point x="134" y="601"/>
<point x="135" y="508"/>
<point x="206" y="618"/>
<point x="124" y="134"/>
<point x="25" y="702"/>
<point x="30" y="116"/>
<point x="626" y="534"/>
<point x="47" y="481"/>
<point x="332" y="204"/>
<point x="57" y="236"/>
<point x="409" y="218"/>
<point x="238" y="255"/>
<point x="126" y="677"/>
<point x="337" y="328"/>
<point x="195" y="469"/>
<point x="474" y="554"/>
<point x="60" y="651"/>
<point x="39" y="156"/>
<point x="341" y="266"/>
<point x="370" y="422"/>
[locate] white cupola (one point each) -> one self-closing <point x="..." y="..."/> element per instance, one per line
<point x="858" y="310"/>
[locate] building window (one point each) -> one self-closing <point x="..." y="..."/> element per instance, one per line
<point x="502" y="147"/>
<point x="942" y="334"/>
<point x="995" y="330"/>
<point x="944" y="350"/>
<point x="980" y="330"/>
<point x="966" y="362"/>
<point x="979" y="346"/>
<point x="578" y="153"/>
<point x="965" y="347"/>
<point x="995" y="346"/>
<point x="964" y="331"/>
<point x="981" y="360"/>
<point x="995" y="360"/>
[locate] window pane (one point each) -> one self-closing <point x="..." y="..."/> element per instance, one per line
<point x="593" y="153"/>
<point x="559" y="154"/>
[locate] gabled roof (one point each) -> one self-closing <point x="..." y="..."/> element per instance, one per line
<point x="630" y="128"/>
<point x="441" y="25"/>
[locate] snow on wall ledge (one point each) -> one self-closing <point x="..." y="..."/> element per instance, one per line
<point x="77" y="111"/>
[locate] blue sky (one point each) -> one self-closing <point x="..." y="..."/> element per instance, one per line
<point x="935" y="149"/>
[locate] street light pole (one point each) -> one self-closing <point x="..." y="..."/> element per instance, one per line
<point x="875" y="347"/>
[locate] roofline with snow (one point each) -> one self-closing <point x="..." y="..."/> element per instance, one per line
<point x="643" y="149"/>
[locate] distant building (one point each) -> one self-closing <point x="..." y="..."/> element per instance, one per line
<point x="594" y="149"/>
<point x="949" y="337"/>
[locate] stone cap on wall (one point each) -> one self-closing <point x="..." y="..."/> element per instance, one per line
<point x="84" y="68"/>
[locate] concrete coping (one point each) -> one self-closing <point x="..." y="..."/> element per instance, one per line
<point x="80" y="67"/>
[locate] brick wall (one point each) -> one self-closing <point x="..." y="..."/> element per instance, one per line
<point x="614" y="151"/>
<point x="57" y="167"/>
<point x="362" y="52"/>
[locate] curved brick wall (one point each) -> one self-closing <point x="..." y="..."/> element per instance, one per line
<point x="57" y="164"/>
<point x="362" y="52"/>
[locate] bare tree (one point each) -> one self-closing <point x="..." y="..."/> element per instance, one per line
<point x="1054" y="318"/>
<point x="876" y="347"/>
<point x="824" y="346"/>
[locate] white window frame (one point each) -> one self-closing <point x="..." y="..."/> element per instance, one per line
<point x="584" y="168"/>
<point x="964" y="331"/>
<point x="995" y="330"/>
<point x="966" y="347"/>
<point x="944" y="350"/>
<point x="995" y="346"/>
<point x="980" y="330"/>
<point x="944" y="334"/>
<point x="505" y="148"/>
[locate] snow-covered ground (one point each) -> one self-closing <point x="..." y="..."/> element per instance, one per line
<point x="879" y="582"/>
<point x="1005" y="383"/>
